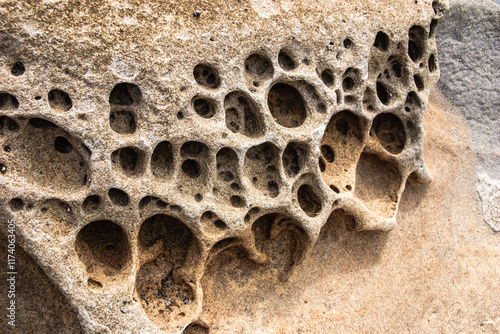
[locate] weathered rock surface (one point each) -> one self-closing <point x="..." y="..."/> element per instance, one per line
<point x="241" y="167"/>
<point x="469" y="43"/>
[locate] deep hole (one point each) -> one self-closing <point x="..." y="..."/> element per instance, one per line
<point x="162" y="159"/>
<point x="432" y="63"/>
<point x="397" y="69"/>
<point x="191" y="168"/>
<point x="432" y="29"/>
<point x="322" y="165"/>
<point x="335" y="189"/>
<point x="93" y="284"/>
<point x="7" y="149"/>
<point x="180" y="115"/>
<point x="259" y="66"/>
<point x="8" y="102"/>
<point x="129" y="158"/>
<point x="91" y="203"/>
<point x="418" y="82"/>
<point x="381" y="41"/>
<point x="204" y="107"/>
<point x="412" y="101"/>
<point x="9" y="123"/>
<point x="193" y="149"/>
<point x="16" y="204"/>
<point x="237" y="201"/>
<point x="38" y="98"/>
<point x="285" y="61"/>
<point x="287" y="105"/>
<point x="93" y="248"/>
<point x="308" y="200"/>
<point x="382" y="93"/>
<point x="3" y="169"/>
<point x="327" y="153"/>
<point x="416" y="42"/>
<point x="198" y="197"/>
<point x="59" y="100"/>
<point x="347" y="43"/>
<point x="161" y="204"/>
<point x="242" y="115"/>
<point x="206" y="75"/>
<point x="195" y="328"/>
<point x="18" y="69"/>
<point x="125" y="94"/>
<point x="327" y="77"/>
<point x="348" y="83"/>
<point x="144" y="202"/>
<point x="62" y="145"/>
<point x="118" y="197"/>
<point x="273" y="189"/>
<point x="122" y="121"/>
<point x="342" y="126"/>
<point x="348" y="187"/>
<point x="293" y="157"/>
<point x="390" y="132"/>
<point x="40" y="123"/>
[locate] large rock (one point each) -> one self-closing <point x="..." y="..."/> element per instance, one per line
<point x="240" y="167"/>
<point x="469" y="46"/>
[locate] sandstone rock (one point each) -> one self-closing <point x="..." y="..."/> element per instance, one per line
<point x="469" y="43"/>
<point x="236" y="167"/>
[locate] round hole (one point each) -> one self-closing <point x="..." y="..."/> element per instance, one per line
<point x="220" y="225"/>
<point x="191" y="168"/>
<point x="18" y="69"/>
<point x="62" y="145"/>
<point x="347" y="43"/>
<point x="16" y="204"/>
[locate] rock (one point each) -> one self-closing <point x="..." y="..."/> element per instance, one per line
<point x="469" y="46"/>
<point x="240" y="167"/>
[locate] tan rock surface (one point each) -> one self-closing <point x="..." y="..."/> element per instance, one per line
<point x="238" y="167"/>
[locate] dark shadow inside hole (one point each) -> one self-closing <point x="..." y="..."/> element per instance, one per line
<point x="162" y="159"/>
<point x="125" y="94"/>
<point x="381" y="41"/>
<point x="259" y="66"/>
<point x="91" y="203"/>
<point x="59" y="100"/>
<point x="62" y="145"/>
<point x="327" y="77"/>
<point x="8" y="102"/>
<point x="118" y="197"/>
<point x="17" y="69"/>
<point x="206" y="75"/>
<point x="204" y="107"/>
<point x="327" y="153"/>
<point x="93" y="248"/>
<point x="432" y="63"/>
<point x="191" y="168"/>
<point x="40" y="123"/>
<point x="390" y="132"/>
<point x="418" y="82"/>
<point x="308" y="200"/>
<point x="287" y="105"/>
<point x="16" y="204"/>
<point x="122" y="121"/>
<point x="382" y="93"/>
<point x="348" y="83"/>
<point x="8" y="123"/>
<point x="285" y="61"/>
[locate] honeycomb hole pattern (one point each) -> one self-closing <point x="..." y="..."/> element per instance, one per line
<point x="303" y="140"/>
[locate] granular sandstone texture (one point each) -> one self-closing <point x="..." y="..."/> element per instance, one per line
<point x="237" y="167"/>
